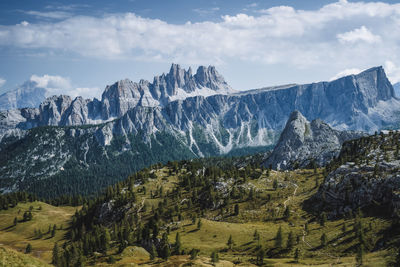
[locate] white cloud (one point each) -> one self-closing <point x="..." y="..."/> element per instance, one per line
<point x="392" y="71"/>
<point x="54" y="84"/>
<point x="58" y="85"/>
<point x="360" y="34"/>
<point x="206" y="11"/>
<point x="49" y="14"/>
<point x="2" y="82"/>
<point x="339" y="34"/>
<point x="345" y="72"/>
<point x="86" y="92"/>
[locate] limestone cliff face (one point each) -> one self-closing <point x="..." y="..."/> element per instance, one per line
<point x="303" y="142"/>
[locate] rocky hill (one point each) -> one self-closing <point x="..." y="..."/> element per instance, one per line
<point x="303" y="143"/>
<point x="366" y="176"/>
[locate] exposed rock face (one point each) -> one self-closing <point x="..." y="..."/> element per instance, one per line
<point x="302" y="142"/>
<point x="367" y="175"/>
<point x="170" y="111"/>
<point x="28" y="95"/>
<point x="396" y="87"/>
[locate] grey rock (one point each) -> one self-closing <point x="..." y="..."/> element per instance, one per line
<point x="303" y="142"/>
<point x="28" y="95"/>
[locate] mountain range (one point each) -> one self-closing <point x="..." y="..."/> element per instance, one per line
<point x="179" y="115"/>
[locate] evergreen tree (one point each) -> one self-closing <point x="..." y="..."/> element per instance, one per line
<point x="236" y="209"/>
<point x="193" y="254"/>
<point x="286" y="214"/>
<point x="28" y="248"/>
<point x="105" y="241"/>
<point x="199" y="224"/>
<point x="323" y="219"/>
<point x="230" y="242"/>
<point x="153" y="252"/>
<point x="55" y="257"/>
<point x="178" y="244"/>
<point x="15" y="221"/>
<point x="290" y="241"/>
<point x="166" y="252"/>
<point x="275" y="184"/>
<point x="260" y="256"/>
<point x="297" y="255"/>
<point x="360" y="255"/>
<point x="214" y="257"/>
<point x="53" y="231"/>
<point x="324" y="240"/>
<point x="279" y="238"/>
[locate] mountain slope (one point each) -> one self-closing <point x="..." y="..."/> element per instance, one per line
<point x="396" y="87"/>
<point x="302" y="143"/>
<point x="29" y="95"/>
<point x="196" y="126"/>
<point x="365" y="175"/>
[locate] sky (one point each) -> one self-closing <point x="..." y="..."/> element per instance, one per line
<point x="79" y="47"/>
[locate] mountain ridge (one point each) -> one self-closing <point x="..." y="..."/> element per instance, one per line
<point x="196" y="126"/>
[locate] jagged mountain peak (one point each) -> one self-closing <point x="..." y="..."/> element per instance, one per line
<point x="302" y="142"/>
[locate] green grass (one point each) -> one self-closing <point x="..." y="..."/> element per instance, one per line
<point x="17" y="237"/>
<point x="13" y="258"/>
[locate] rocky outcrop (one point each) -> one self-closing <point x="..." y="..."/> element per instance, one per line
<point x="303" y="142"/>
<point x="366" y="175"/>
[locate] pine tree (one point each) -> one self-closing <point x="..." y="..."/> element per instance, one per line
<point x="166" y="252"/>
<point x="236" y="209"/>
<point x="55" y="255"/>
<point x="360" y="255"/>
<point x="28" y="248"/>
<point x="178" y="244"/>
<point x="260" y="256"/>
<point x="297" y="255"/>
<point x="230" y="242"/>
<point x="275" y="184"/>
<point x="199" y="224"/>
<point x="214" y="257"/>
<point x="290" y="241"/>
<point x="194" y="253"/>
<point x="324" y="240"/>
<point x="53" y="231"/>
<point x="323" y="219"/>
<point x="153" y="252"/>
<point x="286" y="214"/>
<point x="105" y="240"/>
<point x="15" y="221"/>
<point x="279" y="238"/>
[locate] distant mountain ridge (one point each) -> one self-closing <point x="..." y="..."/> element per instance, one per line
<point x="28" y="95"/>
<point x="135" y="117"/>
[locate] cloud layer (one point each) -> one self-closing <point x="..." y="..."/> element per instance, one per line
<point x="342" y="34"/>
<point x="58" y="85"/>
<point x="2" y="82"/>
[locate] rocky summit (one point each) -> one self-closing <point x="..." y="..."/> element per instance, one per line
<point x="303" y="143"/>
<point x="194" y="115"/>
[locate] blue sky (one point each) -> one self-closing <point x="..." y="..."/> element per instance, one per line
<point x="81" y="46"/>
